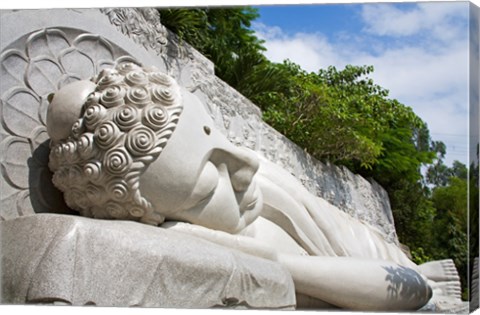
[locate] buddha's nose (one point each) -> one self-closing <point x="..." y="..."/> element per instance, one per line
<point x="242" y="164"/>
<point x="241" y="177"/>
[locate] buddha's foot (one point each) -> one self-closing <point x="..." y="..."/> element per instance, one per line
<point x="440" y="270"/>
<point x="449" y="288"/>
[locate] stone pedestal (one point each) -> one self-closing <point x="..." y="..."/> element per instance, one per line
<point x="49" y="258"/>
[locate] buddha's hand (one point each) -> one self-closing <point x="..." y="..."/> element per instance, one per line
<point x="242" y="243"/>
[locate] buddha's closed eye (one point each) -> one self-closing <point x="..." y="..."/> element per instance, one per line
<point x="205" y="186"/>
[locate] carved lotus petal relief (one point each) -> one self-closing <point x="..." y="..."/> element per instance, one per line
<point x="94" y="46"/>
<point x="13" y="66"/>
<point x="23" y="203"/>
<point x="47" y="43"/>
<point x="8" y="200"/>
<point x="49" y="60"/>
<point x="20" y="113"/>
<point x="76" y="62"/>
<point x="15" y="151"/>
<point x="40" y="145"/>
<point x="27" y="172"/>
<point x="43" y="75"/>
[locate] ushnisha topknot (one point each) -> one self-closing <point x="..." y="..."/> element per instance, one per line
<point x="124" y="125"/>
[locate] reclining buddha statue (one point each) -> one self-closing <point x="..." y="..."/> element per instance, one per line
<point x="131" y="144"/>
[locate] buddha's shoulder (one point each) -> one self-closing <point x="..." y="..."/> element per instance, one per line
<point x="273" y="236"/>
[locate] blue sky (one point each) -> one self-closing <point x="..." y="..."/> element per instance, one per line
<point x="419" y="51"/>
<point x="329" y="18"/>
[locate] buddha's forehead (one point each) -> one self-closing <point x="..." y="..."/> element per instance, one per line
<point x="194" y="136"/>
<point x="170" y="179"/>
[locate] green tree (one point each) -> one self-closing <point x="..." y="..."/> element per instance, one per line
<point x="474" y="208"/>
<point x="343" y="117"/>
<point x="224" y="36"/>
<point x="414" y="215"/>
<point x="451" y="223"/>
<point x="438" y="174"/>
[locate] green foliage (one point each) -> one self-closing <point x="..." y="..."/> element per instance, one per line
<point x="224" y="36"/>
<point x="343" y="117"/>
<point x="452" y="198"/>
<point x="188" y="24"/>
<point x="419" y="256"/>
<point x="414" y="214"/>
<point x="450" y="226"/>
<point x="438" y="173"/>
<point x="474" y="207"/>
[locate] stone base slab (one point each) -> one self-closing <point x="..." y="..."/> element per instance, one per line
<point x="50" y="258"/>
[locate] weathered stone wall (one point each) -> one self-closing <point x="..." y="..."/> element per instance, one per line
<point x="44" y="49"/>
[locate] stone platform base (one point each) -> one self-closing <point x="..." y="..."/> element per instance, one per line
<point x="48" y="258"/>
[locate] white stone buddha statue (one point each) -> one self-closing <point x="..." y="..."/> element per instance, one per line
<point x="133" y="145"/>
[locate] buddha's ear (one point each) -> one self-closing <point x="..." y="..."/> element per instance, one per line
<point x="65" y="107"/>
<point x="50" y="97"/>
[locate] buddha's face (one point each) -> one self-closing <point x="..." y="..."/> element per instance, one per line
<point x="201" y="178"/>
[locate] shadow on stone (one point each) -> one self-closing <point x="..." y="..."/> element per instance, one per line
<point x="44" y="196"/>
<point x="406" y="285"/>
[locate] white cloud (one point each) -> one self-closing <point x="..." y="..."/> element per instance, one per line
<point x="313" y="50"/>
<point x="429" y="75"/>
<point x="440" y="21"/>
<point x="388" y="20"/>
<point x="310" y="50"/>
<point x="412" y="73"/>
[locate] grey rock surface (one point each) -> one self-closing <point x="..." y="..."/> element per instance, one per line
<point x="49" y="258"/>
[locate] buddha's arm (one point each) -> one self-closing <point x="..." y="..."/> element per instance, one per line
<point x="358" y="284"/>
<point x="239" y="242"/>
<point x="342" y="281"/>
